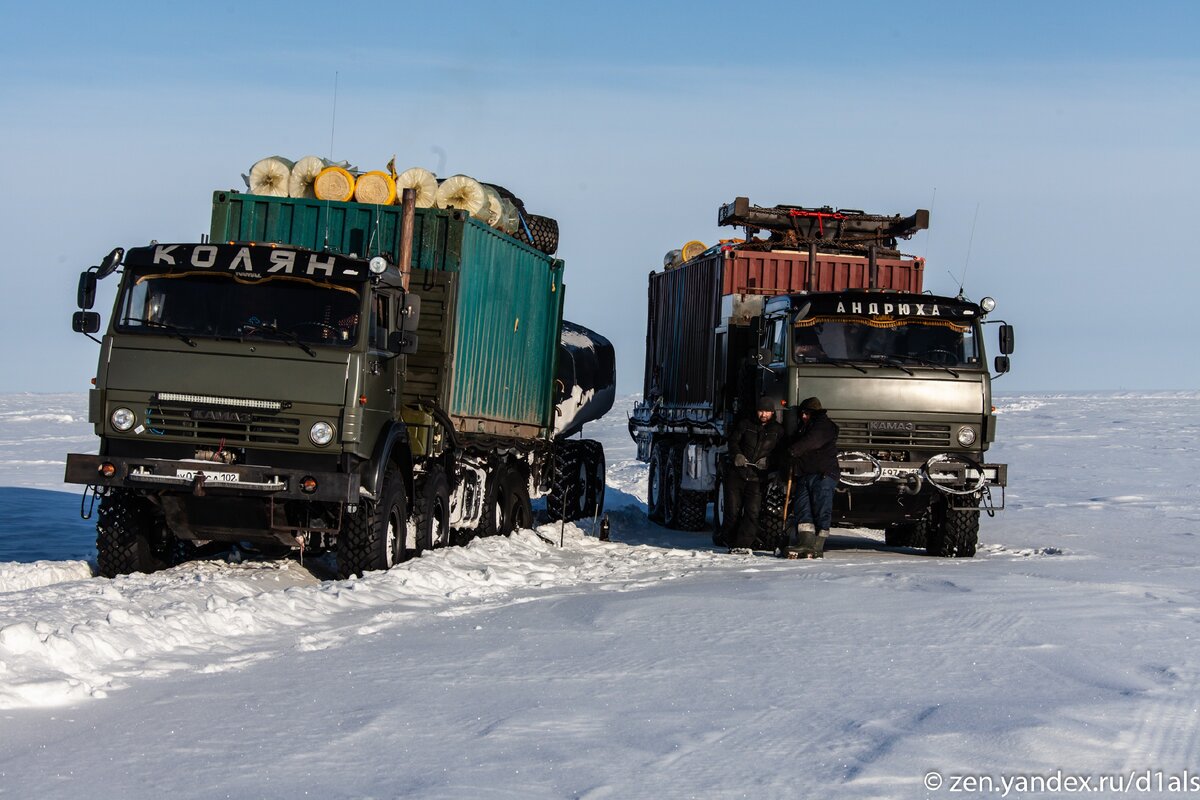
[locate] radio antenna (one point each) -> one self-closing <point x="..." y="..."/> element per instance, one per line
<point x="333" y="121"/>
<point x="970" y="243"/>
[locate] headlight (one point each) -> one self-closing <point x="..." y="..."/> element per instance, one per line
<point x="321" y="433"/>
<point x="966" y="436"/>
<point x="123" y="419"/>
<point x="988" y="305"/>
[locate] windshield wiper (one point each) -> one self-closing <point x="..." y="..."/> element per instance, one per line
<point x="924" y="362"/>
<point x="153" y="323"/>
<point x="838" y="362"/>
<point x="287" y="336"/>
<point x="890" y="361"/>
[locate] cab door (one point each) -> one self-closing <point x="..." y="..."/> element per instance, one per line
<point x="772" y="376"/>
<point x="380" y="382"/>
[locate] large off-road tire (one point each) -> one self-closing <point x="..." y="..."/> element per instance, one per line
<point x="654" y="488"/>
<point x="544" y="233"/>
<point x="953" y="533"/>
<point x="516" y="511"/>
<point x="431" y="509"/>
<point x="919" y="534"/>
<point x="719" y="512"/>
<point x="672" y="488"/>
<point x="130" y="536"/>
<point x="915" y="532"/>
<point x="568" y="498"/>
<point x="772" y="520"/>
<point x="506" y="505"/>
<point x="377" y="535"/>
<point x="597" y="483"/>
<point x="692" y="510"/>
<point x="491" y="521"/>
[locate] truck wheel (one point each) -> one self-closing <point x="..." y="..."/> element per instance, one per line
<point x="691" y="510"/>
<point x="672" y="478"/>
<point x="953" y="533"/>
<point x="377" y="535"/>
<point x="596" y="483"/>
<point x="654" y="488"/>
<point x="569" y="484"/>
<point x="772" y="520"/>
<point x="125" y="540"/>
<point x="919" y="534"/>
<point x="544" y="231"/>
<point x="506" y="505"/>
<point x="719" y="512"/>
<point x="517" y="509"/>
<point x="431" y="511"/>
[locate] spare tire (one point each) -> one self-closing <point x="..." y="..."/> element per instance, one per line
<point x="542" y="234"/>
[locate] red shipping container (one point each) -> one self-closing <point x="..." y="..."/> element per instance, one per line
<point x="782" y="272"/>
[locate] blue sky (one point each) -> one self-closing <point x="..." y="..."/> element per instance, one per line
<point x="1071" y="127"/>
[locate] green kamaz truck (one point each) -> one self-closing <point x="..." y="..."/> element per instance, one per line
<point x="823" y="305"/>
<point x="323" y="376"/>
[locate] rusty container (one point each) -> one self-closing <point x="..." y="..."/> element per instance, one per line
<point x="684" y="308"/>
<point x="773" y="272"/>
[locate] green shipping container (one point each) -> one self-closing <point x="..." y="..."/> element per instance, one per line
<point x="491" y="307"/>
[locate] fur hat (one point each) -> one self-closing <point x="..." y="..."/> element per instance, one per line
<point x="765" y="404"/>
<point x="810" y="404"/>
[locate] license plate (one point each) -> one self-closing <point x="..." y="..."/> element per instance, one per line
<point x="213" y="477"/>
<point x="898" y="472"/>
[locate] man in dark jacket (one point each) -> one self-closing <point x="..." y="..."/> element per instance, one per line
<point x="815" y="474"/>
<point x="752" y="444"/>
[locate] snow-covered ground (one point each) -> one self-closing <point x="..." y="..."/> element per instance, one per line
<point x="651" y="666"/>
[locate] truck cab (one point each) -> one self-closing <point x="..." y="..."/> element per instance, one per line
<point x="906" y="379"/>
<point x="241" y="393"/>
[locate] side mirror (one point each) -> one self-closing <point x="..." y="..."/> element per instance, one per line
<point x="87" y="290"/>
<point x="111" y="262"/>
<point x="1002" y="365"/>
<point x="1006" y="339"/>
<point x="85" y="322"/>
<point x="410" y="313"/>
<point x="402" y="343"/>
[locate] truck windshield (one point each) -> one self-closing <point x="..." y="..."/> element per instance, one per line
<point x="929" y="342"/>
<point x="223" y="306"/>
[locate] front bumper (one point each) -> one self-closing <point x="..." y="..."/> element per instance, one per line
<point x="184" y="476"/>
<point x="945" y="472"/>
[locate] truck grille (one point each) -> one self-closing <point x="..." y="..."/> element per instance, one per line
<point x="241" y="427"/>
<point x="858" y="434"/>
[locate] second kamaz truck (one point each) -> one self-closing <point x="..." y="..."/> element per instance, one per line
<point x="819" y="302"/>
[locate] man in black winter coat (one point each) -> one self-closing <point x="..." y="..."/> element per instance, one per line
<point x="752" y="445"/>
<point x="815" y="474"/>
